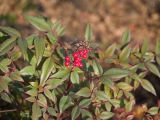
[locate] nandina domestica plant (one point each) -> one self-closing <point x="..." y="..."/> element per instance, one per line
<point x="42" y="79"/>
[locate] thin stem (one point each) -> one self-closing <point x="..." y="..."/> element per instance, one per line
<point x="4" y="111"/>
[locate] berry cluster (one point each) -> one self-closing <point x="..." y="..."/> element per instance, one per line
<point x="77" y="58"/>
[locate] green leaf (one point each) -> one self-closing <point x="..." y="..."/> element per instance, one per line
<point x="23" y="47"/>
<point x="49" y="94"/>
<point x="4" y="81"/>
<point x="144" y="47"/>
<point x="10" y="31"/>
<point x="148" y="86"/>
<point x="75" y="112"/>
<point x="153" y="110"/>
<point x="39" y="22"/>
<point x="129" y="105"/>
<point x="51" y="38"/>
<point x="16" y="76"/>
<point x="110" y="50"/>
<point x="15" y="55"/>
<point x="5" y="97"/>
<point x="126" y="37"/>
<point x="88" y="33"/>
<point x="64" y="103"/>
<point x="116" y="73"/>
<point x="157" y="49"/>
<point x="42" y="100"/>
<point x="4" y="68"/>
<point x="47" y="68"/>
<point x="63" y="74"/>
<point x="31" y="99"/>
<point x="39" y="48"/>
<point x="108" y="106"/>
<point x="124" y="55"/>
<point x="85" y="103"/>
<point x="7" y="45"/>
<point x="30" y="39"/>
<point x="124" y="86"/>
<point x="85" y="114"/>
<point x="153" y="69"/>
<point x="98" y="70"/>
<point x="85" y="92"/>
<point x="74" y="77"/>
<point x="54" y="82"/>
<point x="36" y="111"/>
<point x="5" y="61"/>
<point x="52" y="111"/>
<point x="106" y="115"/>
<point x="28" y="70"/>
<point x="102" y="95"/>
<point x="32" y="92"/>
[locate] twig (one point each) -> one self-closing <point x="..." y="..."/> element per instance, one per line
<point x="13" y="110"/>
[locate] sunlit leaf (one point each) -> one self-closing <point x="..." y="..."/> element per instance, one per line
<point x="47" y="68"/>
<point x="36" y="112"/>
<point x="106" y="115"/>
<point x="74" y="77"/>
<point x="23" y="46"/>
<point x="153" y="110"/>
<point x="64" y="103"/>
<point x="148" y="86"/>
<point x="85" y="92"/>
<point x="7" y="45"/>
<point x="39" y="48"/>
<point x="10" y="31"/>
<point x="39" y="22"/>
<point x="153" y="69"/>
<point x="88" y="33"/>
<point x="75" y="112"/>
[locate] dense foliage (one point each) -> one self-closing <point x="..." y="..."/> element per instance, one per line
<point x="39" y="78"/>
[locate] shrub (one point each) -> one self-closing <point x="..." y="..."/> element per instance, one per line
<point x="39" y="78"/>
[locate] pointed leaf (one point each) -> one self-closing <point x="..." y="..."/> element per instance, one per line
<point x="64" y="103"/>
<point x="10" y="31"/>
<point x="39" y="22"/>
<point x="124" y="55"/>
<point x="51" y="38"/>
<point x="23" y="46"/>
<point x="16" y="76"/>
<point x="153" y="110"/>
<point x="36" y="111"/>
<point x="153" y="69"/>
<point x="116" y="73"/>
<point x="85" y="103"/>
<point x="7" y="45"/>
<point x="47" y="68"/>
<point x="148" y="86"/>
<point x="75" y="112"/>
<point x="126" y="37"/>
<point x="88" y="33"/>
<point x="74" y="77"/>
<point x="144" y="47"/>
<point x="124" y="86"/>
<point x="42" y="100"/>
<point x="85" y="92"/>
<point x="39" y="48"/>
<point x="28" y="70"/>
<point x="106" y="115"/>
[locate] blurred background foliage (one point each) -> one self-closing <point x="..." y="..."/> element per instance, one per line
<point x="108" y="18"/>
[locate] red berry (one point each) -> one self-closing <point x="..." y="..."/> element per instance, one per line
<point x="85" y="55"/>
<point x="67" y="64"/>
<point x="67" y="58"/>
<point x="81" y="52"/>
<point x="85" y="51"/>
<point x="75" y="55"/>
